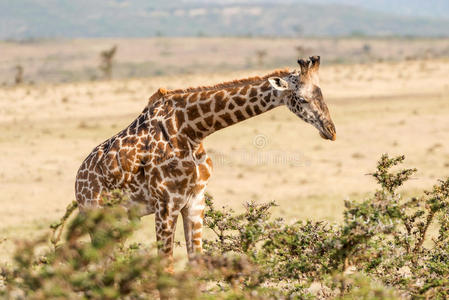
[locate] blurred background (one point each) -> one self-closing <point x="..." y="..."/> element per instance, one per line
<point x="73" y="73"/>
<point x="60" y="41"/>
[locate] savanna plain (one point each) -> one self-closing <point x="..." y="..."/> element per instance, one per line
<point x="385" y="96"/>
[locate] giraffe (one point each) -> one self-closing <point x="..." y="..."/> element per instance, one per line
<point x="159" y="160"/>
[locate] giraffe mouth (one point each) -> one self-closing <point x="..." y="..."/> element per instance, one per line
<point x="328" y="136"/>
<point x="327" y="131"/>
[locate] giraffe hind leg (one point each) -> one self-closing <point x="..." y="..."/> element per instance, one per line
<point x="192" y="217"/>
<point x="187" y="232"/>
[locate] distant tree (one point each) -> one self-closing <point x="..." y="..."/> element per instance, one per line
<point x="107" y="57"/>
<point x="300" y="50"/>
<point x="366" y="48"/>
<point x="261" y="54"/>
<point x="19" y="74"/>
<point x="200" y="33"/>
<point x="357" y="33"/>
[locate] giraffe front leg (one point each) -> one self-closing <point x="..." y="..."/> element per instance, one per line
<point x="192" y="217"/>
<point x="165" y="233"/>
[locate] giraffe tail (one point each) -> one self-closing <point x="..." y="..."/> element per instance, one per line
<point x="58" y="227"/>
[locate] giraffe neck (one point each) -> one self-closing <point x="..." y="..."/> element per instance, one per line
<point x="199" y="114"/>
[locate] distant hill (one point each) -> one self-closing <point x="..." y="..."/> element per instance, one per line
<point x="140" y="18"/>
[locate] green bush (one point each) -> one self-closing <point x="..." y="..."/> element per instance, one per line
<point x="381" y="250"/>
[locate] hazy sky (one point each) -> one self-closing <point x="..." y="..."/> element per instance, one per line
<point x="425" y="8"/>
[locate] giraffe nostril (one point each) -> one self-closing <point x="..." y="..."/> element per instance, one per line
<point x="329" y="127"/>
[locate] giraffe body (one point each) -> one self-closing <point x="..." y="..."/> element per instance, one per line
<point x="159" y="160"/>
<point x="160" y="174"/>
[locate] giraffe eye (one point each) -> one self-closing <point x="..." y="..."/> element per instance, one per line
<point x="302" y="100"/>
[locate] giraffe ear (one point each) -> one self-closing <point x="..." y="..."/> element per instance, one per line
<point x="278" y="83"/>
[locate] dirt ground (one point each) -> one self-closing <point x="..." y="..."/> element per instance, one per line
<point x="396" y="108"/>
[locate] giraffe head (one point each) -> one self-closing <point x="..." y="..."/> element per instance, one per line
<point x="302" y="94"/>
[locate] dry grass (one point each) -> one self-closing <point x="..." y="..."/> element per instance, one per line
<point x="79" y="59"/>
<point x="399" y="108"/>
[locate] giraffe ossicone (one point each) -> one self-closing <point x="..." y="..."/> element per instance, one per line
<point x="159" y="160"/>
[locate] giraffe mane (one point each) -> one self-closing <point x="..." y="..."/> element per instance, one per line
<point x="228" y="84"/>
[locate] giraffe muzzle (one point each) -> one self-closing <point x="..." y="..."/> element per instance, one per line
<point x="329" y="133"/>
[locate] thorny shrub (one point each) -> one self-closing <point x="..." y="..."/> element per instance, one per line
<point x="387" y="247"/>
